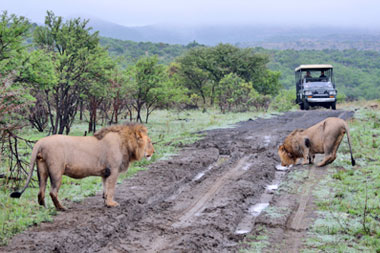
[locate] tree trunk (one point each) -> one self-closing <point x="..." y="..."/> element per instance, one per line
<point x="81" y="110"/>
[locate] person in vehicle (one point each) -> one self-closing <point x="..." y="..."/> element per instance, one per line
<point x="323" y="76"/>
<point x="308" y="76"/>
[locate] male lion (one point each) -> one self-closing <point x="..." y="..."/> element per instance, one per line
<point x="322" y="138"/>
<point x="105" y="154"/>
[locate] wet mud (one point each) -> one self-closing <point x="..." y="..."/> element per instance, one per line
<point x="205" y="199"/>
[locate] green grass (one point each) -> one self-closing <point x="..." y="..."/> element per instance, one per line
<point x="168" y="130"/>
<point x="349" y="198"/>
<point x="256" y="243"/>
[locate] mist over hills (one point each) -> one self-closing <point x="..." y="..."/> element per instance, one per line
<point x="274" y="37"/>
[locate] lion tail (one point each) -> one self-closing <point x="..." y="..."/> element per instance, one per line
<point x="36" y="149"/>
<point x="349" y="143"/>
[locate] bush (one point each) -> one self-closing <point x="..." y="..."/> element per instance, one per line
<point x="284" y="101"/>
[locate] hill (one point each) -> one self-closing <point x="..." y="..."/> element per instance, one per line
<point x="270" y="37"/>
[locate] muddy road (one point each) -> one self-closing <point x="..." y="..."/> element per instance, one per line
<point x="205" y="199"/>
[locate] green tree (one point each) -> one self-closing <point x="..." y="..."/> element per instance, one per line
<point x="73" y="49"/>
<point x="195" y="79"/>
<point x="203" y="68"/>
<point x="150" y="86"/>
<point x="99" y="83"/>
<point x="13" y="32"/>
<point x="231" y="92"/>
<point x="14" y="98"/>
<point x="13" y="58"/>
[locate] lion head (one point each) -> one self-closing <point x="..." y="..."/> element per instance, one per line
<point x="134" y="137"/>
<point x="148" y="146"/>
<point x="286" y="151"/>
<point x="286" y="157"/>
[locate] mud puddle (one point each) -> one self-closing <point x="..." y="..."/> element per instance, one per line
<point x="194" y="202"/>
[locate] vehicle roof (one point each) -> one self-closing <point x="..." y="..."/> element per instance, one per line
<point x="314" y="66"/>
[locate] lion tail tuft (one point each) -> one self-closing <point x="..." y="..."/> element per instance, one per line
<point x="15" y="195"/>
<point x="35" y="151"/>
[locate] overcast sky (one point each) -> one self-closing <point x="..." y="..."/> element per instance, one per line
<point x="357" y="13"/>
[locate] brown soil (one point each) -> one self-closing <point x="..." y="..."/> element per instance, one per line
<point x="197" y="201"/>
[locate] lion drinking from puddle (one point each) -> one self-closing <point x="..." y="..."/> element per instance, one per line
<point x="105" y="154"/>
<point x="322" y="138"/>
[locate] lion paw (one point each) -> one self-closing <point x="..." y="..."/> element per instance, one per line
<point x="61" y="208"/>
<point x="112" y="203"/>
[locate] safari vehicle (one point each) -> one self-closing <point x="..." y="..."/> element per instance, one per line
<point x="315" y="86"/>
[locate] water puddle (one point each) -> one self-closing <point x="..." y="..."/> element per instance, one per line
<point x="246" y="167"/>
<point x="256" y="209"/>
<point x="272" y="187"/>
<point x="279" y="167"/>
<point x="246" y="224"/>
<point x="242" y="231"/>
<point x="267" y="140"/>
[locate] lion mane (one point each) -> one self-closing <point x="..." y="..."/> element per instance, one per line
<point x="106" y="154"/>
<point x="322" y="138"/>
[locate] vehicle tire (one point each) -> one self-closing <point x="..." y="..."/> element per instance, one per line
<point x="301" y="106"/>
<point x="306" y="105"/>
<point x="333" y="105"/>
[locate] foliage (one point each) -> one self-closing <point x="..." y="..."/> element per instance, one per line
<point x="202" y="69"/>
<point x="14" y="98"/>
<point x="13" y="31"/>
<point x="284" y="101"/>
<point x="149" y="86"/>
<point x="129" y="52"/>
<point x="234" y="94"/>
<point x="74" y="52"/>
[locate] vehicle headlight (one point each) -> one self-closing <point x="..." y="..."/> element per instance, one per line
<point x="308" y="93"/>
<point x="332" y="92"/>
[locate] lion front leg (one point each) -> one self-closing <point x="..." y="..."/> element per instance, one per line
<point x="306" y="156"/>
<point x="110" y="184"/>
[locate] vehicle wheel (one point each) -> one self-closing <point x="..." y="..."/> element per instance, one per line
<point x="333" y="105"/>
<point x="306" y="105"/>
<point x="301" y="106"/>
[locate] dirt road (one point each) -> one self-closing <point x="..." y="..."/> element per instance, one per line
<point x="205" y="199"/>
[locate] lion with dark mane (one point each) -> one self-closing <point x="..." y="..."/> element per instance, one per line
<point x="106" y="154"/>
<point x="322" y="138"/>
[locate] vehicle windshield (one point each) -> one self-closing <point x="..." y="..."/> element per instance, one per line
<point x="323" y="75"/>
<point x="318" y="85"/>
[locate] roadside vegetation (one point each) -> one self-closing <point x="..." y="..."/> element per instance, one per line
<point x="348" y="198"/>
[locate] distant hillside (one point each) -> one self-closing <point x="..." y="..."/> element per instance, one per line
<point x="270" y="37"/>
<point x="129" y="51"/>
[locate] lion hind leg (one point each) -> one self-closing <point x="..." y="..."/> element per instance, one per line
<point x="329" y="158"/>
<point x="330" y="150"/>
<point x="105" y="174"/>
<point x="42" y="173"/>
<point x="55" y="181"/>
<point x="104" y="181"/>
